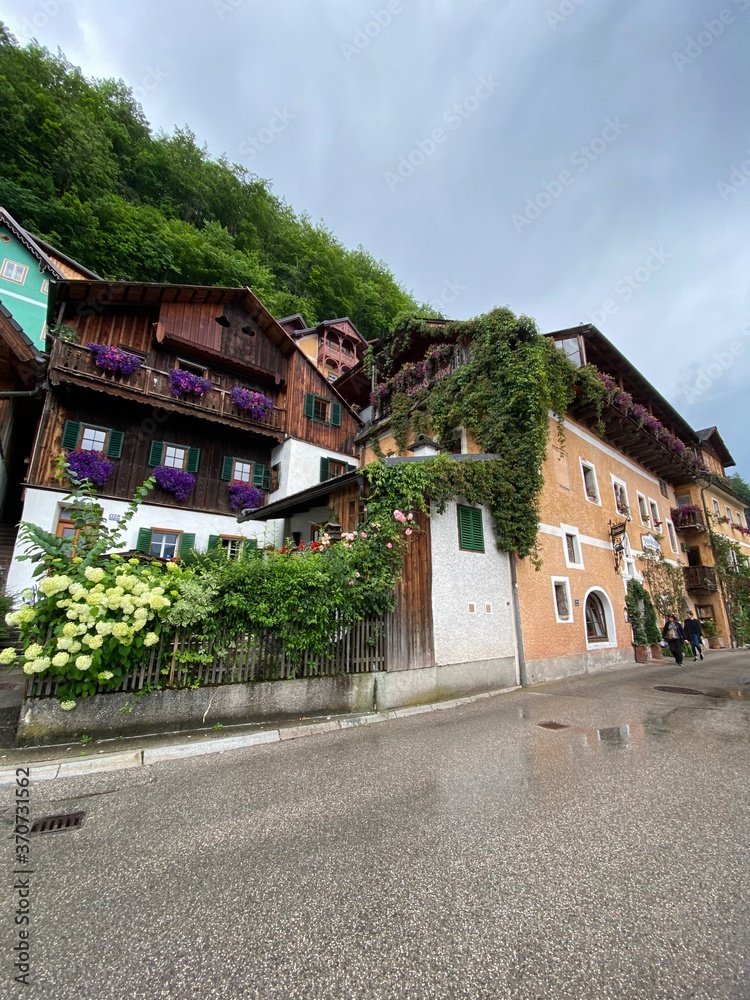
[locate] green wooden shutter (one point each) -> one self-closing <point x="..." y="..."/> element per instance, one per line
<point x="71" y="431"/>
<point x="213" y="542"/>
<point x="154" y="455"/>
<point x="324" y="474"/>
<point x="144" y="540"/>
<point x="470" y="530"/>
<point x="251" y="543"/>
<point x="266" y="479"/>
<point x="193" y="459"/>
<point x="309" y="404"/>
<point x="226" y="469"/>
<point x="187" y="542"/>
<point x="114" y="448"/>
<point x="258" y="474"/>
<point x="335" y="414"/>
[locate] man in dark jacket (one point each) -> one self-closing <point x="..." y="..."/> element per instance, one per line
<point x="693" y="634"/>
<point x="675" y="637"/>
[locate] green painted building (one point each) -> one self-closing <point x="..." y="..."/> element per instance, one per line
<point x="27" y="265"/>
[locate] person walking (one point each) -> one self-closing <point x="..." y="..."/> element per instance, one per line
<point x="675" y="636"/>
<point x="693" y="634"/>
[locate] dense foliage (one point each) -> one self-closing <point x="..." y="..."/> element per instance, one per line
<point x="734" y="574"/>
<point x="508" y="382"/>
<point x="80" y="167"/>
<point x="642" y="614"/>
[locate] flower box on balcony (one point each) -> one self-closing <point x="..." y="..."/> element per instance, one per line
<point x="89" y="466"/>
<point x="112" y="359"/>
<point x="254" y="404"/>
<point x="244" y="496"/>
<point x="185" y="383"/>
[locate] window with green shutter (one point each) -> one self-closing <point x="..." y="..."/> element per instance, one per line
<point x="70" y="434"/>
<point x="155" y="452"/>
<point x="322" y="410"/>
<point x="470" y="530"/>
<point x="144" y="540"/>
<point x="324" y="474"/>
<point x="114" y="448"/>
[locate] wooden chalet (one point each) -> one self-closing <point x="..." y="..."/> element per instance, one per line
<point x="335" y="345"/>
<point x="224" y="336"/>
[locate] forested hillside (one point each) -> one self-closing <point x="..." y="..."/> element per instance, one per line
<point x="80" y="166"/>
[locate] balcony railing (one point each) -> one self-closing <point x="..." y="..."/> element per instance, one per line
<point x="154" y="384"/>
<point x="700" y="578"/>
<point x="686" y="518"/>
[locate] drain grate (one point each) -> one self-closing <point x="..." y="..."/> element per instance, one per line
<point x="677" y="690"/>
<point x="58" y="824"/>
<point x="553" y="725"/>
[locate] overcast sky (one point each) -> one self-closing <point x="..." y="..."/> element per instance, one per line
<point x="577" y="160"/>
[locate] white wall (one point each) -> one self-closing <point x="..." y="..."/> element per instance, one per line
<point x="461" y="578"/>
<point x="300" y="466"/>
<point x="42" y="507"/>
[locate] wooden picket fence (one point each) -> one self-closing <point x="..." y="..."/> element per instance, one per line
<point x="185" y="660"/>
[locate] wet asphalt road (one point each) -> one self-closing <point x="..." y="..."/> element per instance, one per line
<point x="462" y="853"/>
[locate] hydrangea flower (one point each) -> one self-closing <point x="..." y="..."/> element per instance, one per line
<point x="94" y="573"/>
<point x="151" y="639"/>
<point x="105" y="675"/>
<point x="67" y="706"/>
<point x="83" y="662"/>
<point x="7" y="655"/>
<point x="60" y="659"/>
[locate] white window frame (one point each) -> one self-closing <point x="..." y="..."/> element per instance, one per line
<point x="645" y="518"/>
<point x="728" y="509"/>
<point x="98" y="430"/>
<point x="165" y="532"/>
<point x="563" y="581"/>
<point x="175" y="447"/>
<point x="629" y="570"/>
<point x="14" y="264"/>
<point x="717" y="508"/>
<point x="672" y="537"/>
<point x="569" y="529"/>
<point x="233" y="545"/>
<point x="592" y="468"/>
<point x="653" y="506"/>
<point x="250" y="470"/>
<point x="611" y="641"/>
<point x="45" y="286"/>
<point x="617" y="482"/>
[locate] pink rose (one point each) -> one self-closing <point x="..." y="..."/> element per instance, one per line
<point x="389" y="545"/>
<point x="363" y="534"/>
<point x="351" y="583"/>
<point x="409" y="517"/>
<point x="408" y="531"/>
<point x="399" y="516"/>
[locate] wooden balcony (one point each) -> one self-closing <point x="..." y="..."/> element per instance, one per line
<point x="76" y="364"/>
<point x="700" y="578"/>
<point x="683" y="520"/>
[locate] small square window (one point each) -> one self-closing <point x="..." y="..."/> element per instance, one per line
<point x="232" y="545"/>
<point x="663" y="489"/>
<point x="45" y="286"/>
<point x="275" y="476"/>
<point x="242" y="472"/>
<point x="336" y="468"/>
<point x="164" y="544"/>
<point x="92" y="438"/>
<point x="174" y="457"/>
<point x="14" y="272"/>
<point x="320" y="409"/>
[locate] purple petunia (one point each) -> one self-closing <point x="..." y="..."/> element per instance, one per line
<point x="255" y="404"/>
<point x="243" y="496"/>
<point x="175" y="481"/>
<point x="112" y="359"/>
<point x="185" y="383"/>
<point x="90" y="466"/>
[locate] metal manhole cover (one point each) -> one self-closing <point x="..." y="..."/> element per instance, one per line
<point x="678" y="690"/>
<point x="553" y="725"/>
<point x="58" y="824"/>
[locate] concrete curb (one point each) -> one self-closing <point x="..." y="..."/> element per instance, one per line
<point x="49" y="770"/>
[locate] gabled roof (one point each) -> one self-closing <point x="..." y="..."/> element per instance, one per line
<point x="710" y="436"/>
<point x="607" y="358"/>
<point x="31" y="244"/>
<point x="58" y="255"/>
<point x="30" y="360"/>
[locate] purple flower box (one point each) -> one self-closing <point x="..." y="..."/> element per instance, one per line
<point x="243" y="496"/>
<point x="255" y="404"/>
<point x="112" y="359"/>
<point x="91" y="466"/>
<point x="175" y="481"/>
<point x="185" y="383"/>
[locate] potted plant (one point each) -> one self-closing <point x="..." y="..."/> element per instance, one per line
<point x="89" y="466"/>
<point x="255" y="404"/>
<point x="635" y="602"/>
<point x="244" y="496"/>
<point x="715" y="641"/>
<point x="112" y="359"/>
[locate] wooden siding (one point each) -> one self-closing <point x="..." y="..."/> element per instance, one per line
<point x="140" y="429"/>
<point x="129" y="326"/>
<point x="339" y="504"/>
<point x="76" y="363"/>
<point x="410" y="629"/>
<point x="304" y="378"/>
